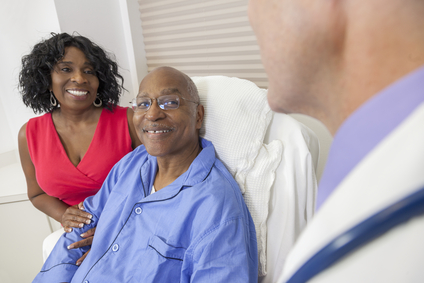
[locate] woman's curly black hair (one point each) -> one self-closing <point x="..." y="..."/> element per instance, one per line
<point x="35" y="77"/>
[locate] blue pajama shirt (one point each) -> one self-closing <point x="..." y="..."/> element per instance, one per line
<point x="197" y="229"/>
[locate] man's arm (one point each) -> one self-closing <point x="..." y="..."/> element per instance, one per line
<point x="61" y="264"/>
<point x="227" y="254"/>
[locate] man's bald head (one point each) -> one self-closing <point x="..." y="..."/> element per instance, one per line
<point x="189" y="84"/>
<point x="168" y="131"/>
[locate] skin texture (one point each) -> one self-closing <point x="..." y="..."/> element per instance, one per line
<point x="75" y="122"/>
<point x="74" y="73"/>
<point x="175" y="150"/>
<point x="326" y="58"/>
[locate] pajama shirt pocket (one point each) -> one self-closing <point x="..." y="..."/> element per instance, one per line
<point x="165" y="259"/>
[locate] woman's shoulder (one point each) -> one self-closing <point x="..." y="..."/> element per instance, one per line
<point x="38" y="121"/>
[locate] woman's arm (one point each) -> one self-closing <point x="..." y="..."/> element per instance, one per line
<point x="68" y="216"/>
<point x="134" y="138"/>
<point x="51" y="206"/>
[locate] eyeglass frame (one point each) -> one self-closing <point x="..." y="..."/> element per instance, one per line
<point x="134" y="102"/>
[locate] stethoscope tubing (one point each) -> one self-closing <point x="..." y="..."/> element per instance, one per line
<point x="360" y="235"/>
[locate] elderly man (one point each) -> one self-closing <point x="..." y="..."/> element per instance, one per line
<point x="169" y="211"/>
<point x="358" y="67"/>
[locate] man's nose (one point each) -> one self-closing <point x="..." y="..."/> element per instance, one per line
<point x="155" y="112"/>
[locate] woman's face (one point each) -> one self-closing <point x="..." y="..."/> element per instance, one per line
<point x="74" y="81"/>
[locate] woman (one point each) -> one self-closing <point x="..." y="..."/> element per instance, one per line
<point x="67" y="153"/>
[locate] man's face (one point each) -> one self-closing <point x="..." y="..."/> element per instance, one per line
<point x="167" y="132"/>
<point x="292" y="35"/>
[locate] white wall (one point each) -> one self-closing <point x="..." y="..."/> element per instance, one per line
<point x="21" y="238"/>
<point x="22" y="24"/>
<point x="136" y="37"/>
<point x="107" y="23"/>
<point x="6" y="137"/>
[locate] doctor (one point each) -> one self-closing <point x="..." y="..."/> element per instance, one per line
<point x="358" y="66"/>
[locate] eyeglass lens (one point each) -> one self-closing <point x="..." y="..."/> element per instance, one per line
<point x="165" y="102"/>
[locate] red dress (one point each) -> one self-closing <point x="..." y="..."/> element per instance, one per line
<point x="55" y="173"/>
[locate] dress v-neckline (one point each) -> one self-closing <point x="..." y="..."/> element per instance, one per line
<point x="62" y="148"/>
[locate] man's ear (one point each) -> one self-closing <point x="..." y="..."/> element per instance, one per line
<point x="199" y="116"/>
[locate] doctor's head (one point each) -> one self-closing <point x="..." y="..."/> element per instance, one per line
<point x="299" y="42"/>
<point x="325" y="58"/>
<point x="167" y="113"/>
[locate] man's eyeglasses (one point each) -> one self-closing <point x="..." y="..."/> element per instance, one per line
<point x="165" y="102"/>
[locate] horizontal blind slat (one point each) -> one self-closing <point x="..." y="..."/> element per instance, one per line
<point x="197" y="16"/>
<point x="216" y="32"/>
<point x="210" y="51"/>
<point x="241" y="58"/>
<point x="202" y="38"/>
<point x="181" y="5"/>
<point x="221" y="23"/>
<point x="214" y="72"/>
<point x="204" y="42"/>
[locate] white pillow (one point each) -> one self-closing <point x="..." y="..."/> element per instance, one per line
<point x="257" y="195"/>
<point x="236" y="119"/>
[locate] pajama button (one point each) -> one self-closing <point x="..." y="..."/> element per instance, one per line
<point x="138" y="210"/>
<point x="115" y="247"/>
<point x="86" y="281"/>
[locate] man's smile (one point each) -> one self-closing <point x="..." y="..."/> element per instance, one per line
<point x="157" y="132"/>
<point x="157" y="129"/>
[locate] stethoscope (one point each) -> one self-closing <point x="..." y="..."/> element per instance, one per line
<point x="359" y="235"/>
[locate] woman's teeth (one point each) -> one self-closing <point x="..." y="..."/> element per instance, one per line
<point x="77" y="92"/>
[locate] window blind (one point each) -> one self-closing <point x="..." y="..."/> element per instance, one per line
<point x="202" y="38"/>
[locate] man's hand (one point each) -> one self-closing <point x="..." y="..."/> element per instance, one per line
<point x="88" y="239"/>
<point x="75" y="216"/>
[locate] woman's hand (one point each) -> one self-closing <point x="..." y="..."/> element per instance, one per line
<point x="75" y="216"/>
<point x="88" y="239"/>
